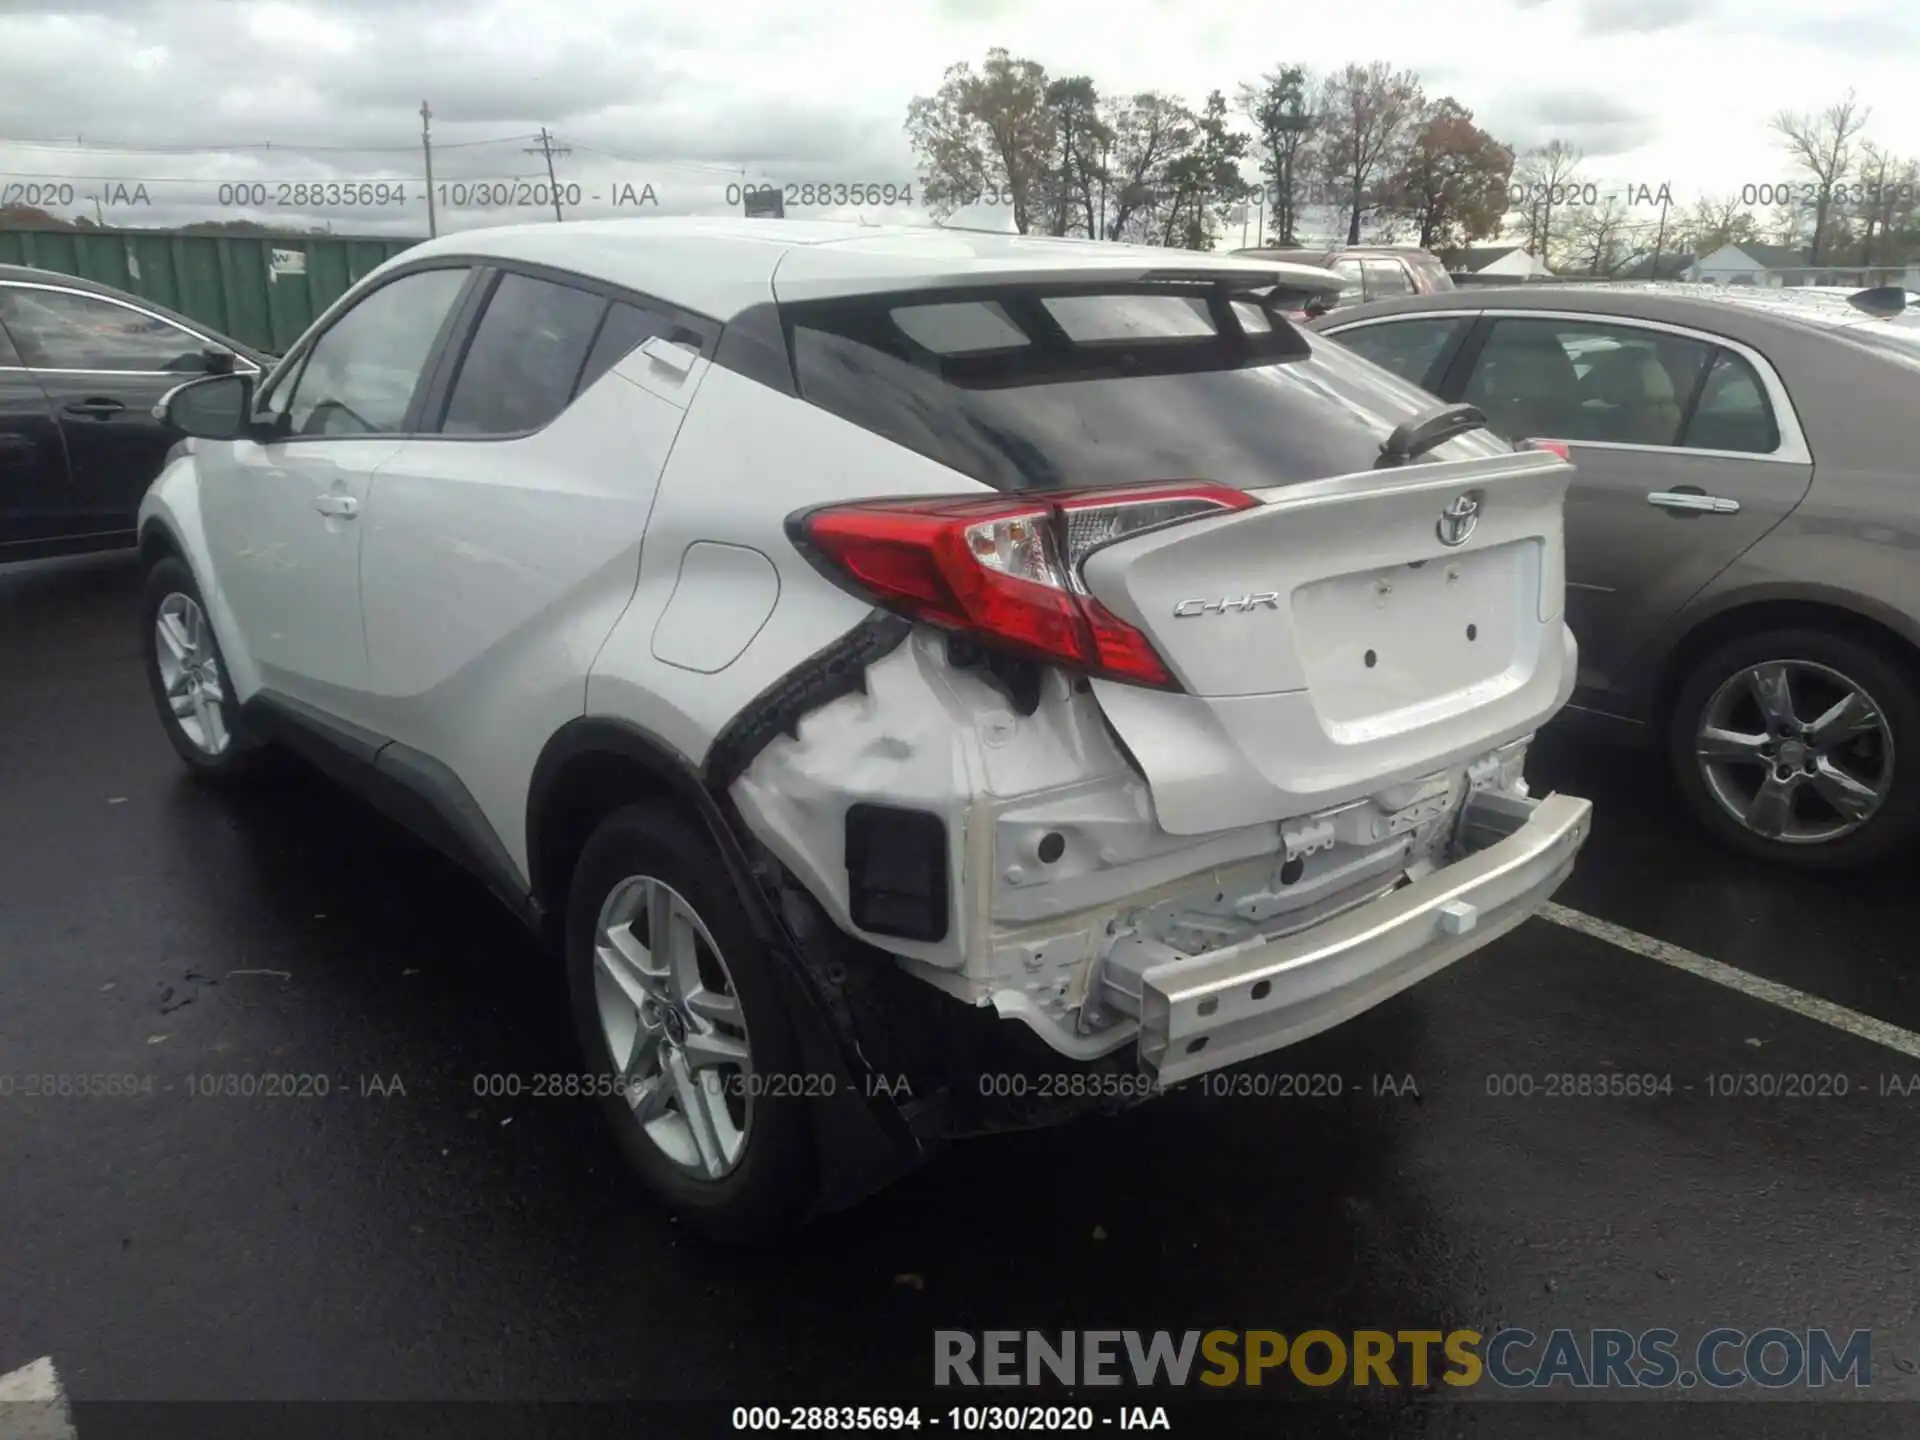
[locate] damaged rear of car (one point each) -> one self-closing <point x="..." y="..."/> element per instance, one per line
<point x="1191" y="720"/>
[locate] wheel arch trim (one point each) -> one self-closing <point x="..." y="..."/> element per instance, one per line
<point x="859" y="1122"/>
<point x="1701" y="629"/>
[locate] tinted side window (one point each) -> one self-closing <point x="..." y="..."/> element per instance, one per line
<point x="1432" y="273"/>
<point x="519" y="370"/>
<point x="59" y="330"/>
<point x="627" y="327"/>
<point x="9" y="356"/>
<point x="1409" y="348"/>
<point x="1573" y="380"/>
<point x="1265" y="410"/>
<point x="1734" y="412"/>
<point x="1351" y="292"/>
<point x="359" y="377"/>
<point x="1386" y="278"/>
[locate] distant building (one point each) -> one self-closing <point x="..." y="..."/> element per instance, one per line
<point x="1499" y="262"/>
<point x="1775" y="266"/>
<point x="1668" y="267"/>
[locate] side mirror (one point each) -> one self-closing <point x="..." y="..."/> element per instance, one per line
<point x="218" y="361"/>
<point x="214" y="407"/>
<point x="1319" y="305"/>
<point x="1882" y="302"/>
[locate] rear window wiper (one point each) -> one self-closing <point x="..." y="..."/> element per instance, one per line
<point x="1414" y="438"/>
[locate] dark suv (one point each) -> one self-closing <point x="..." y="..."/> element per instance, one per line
<point x="1371" y="272"/>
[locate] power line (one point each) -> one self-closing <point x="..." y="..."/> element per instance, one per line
<point x="707" y="165"/>
<point x="95" y="146"/>
<point x="548" y="149"/>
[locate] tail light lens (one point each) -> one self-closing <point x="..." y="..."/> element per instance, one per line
<point x="1552" y="447"/>
<point x="1006" y="568"/>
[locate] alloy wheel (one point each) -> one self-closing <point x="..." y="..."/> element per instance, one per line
<point x="190" y="673"/>
<point x="673" y="1026"/>
<point x="1795" y="751"/>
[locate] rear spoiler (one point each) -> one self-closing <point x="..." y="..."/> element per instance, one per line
<point x="1882" y="302"/>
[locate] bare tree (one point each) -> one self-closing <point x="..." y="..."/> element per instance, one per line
<point x="1205" y="181"/>
<point x="986" y="132"/>
<point x="1150" y="131"/>
<point x="1714" y="221"/>
<point x="1082" y="136"/>
<point x="1281" y="110"/>
<point x="1882" y="201"/>
<point x="1598" y="235"/>
<point x="1367" y="113"/>
<point x="1823" y="146"/>
<point x="1547" y="176"/>
<point x="1453" y="187"/>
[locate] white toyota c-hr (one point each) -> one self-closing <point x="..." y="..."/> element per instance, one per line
<point x="919" y="682"/>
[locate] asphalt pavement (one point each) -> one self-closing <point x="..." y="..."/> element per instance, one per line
<point x="403" y="1236"/>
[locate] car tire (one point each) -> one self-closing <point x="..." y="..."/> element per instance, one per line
<point x="647" y="859"/>
<point x="1721" y="774"/>
<point x="187" y="677"/>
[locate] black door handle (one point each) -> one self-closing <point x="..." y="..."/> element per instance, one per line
<point x="95" y="408"/>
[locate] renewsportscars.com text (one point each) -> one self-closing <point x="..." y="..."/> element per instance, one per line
<point x="1774" y="1358"/>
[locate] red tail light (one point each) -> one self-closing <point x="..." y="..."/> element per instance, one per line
<point x="1552" y="447"/>
<point x="1006" y="568"/>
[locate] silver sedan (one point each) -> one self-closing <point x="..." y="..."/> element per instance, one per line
<point x="1743" y="533"/>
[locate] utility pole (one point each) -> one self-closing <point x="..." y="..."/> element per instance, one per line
<point x="426" y="146"/>
<point x="549" y="149"/>
<point x="1659" y="242"/>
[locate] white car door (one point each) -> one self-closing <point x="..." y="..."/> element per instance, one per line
<point x="503" y="541"/>
<point x="285" y="516"/>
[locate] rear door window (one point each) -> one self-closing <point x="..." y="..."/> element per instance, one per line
<point x="525" y="359"/>
<point x="626" y="328"/>
<point x="1734" y="412"/>
<point x="1163" y="390"/>
<point x="1411" y="349"/>
<point x="1386" y="279"/>
<point x="1352" y="289"/>
<point x="1432" y="273"/>
<point x="1574" y="380"/>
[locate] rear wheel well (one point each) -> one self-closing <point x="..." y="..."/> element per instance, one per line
<point x="588" y="787"/>
<point x="1716" y="631"/>
<point x="156" y="544"/>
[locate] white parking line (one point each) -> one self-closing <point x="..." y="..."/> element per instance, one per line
<point x="1771" y="991"/>
<point x="33" y="1404"/>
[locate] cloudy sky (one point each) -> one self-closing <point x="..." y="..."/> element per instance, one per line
<point x="185" y="96"/>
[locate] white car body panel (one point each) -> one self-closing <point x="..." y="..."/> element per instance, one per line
<point x="1337" y="660"/>
<point x="492" y="572"/>
<point x="174" y="502"/>
<point x="291" y="574"/>
<point x="1122" y="862"/>
<point x="745" y="460"/>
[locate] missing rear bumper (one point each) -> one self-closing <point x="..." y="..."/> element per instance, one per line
<point x="1201" y="1013"/>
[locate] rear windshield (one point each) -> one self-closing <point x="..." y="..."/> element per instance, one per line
<point x="1023" y="389"/>
<point x="1433" y="272"/>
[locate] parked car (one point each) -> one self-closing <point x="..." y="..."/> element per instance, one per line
<point x="944" y="730"/>
<point x="1367" y="272"/>
<point x="1740" y="531"/>
<point x="81" y="365"/>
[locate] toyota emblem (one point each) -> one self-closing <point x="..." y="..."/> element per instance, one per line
<point x="1458" y="519"/>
